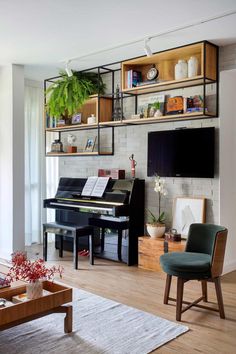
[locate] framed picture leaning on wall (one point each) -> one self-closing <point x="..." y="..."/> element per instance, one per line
<point x="186" y="211"/>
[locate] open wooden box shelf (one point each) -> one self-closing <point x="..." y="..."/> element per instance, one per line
<point x="165" y="62"/>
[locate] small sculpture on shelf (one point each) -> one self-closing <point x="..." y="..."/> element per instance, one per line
<point x="57" y="146"/>
<point x="117" y="112"/>
<point x="133" y="164"/>
<point x="71" y="139"/>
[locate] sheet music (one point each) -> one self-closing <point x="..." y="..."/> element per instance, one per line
<point x="100" y="186"/>
<point x="89" y="185"/>
<point x="95" y="186"/>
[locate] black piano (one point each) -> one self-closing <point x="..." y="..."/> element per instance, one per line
<point x="122" y="200"/>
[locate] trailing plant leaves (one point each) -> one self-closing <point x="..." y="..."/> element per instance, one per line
<point x="68" y="94"/>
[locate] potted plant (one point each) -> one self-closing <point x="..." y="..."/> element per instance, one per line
<point x="31" y="271"/>
<point x="155" y="225"/>
<point x="67" y="94"/>
<point x="157" y="107"/>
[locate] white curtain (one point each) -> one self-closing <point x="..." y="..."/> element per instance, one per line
<point x="34" y="162"/>
<point x="41" y="174"/>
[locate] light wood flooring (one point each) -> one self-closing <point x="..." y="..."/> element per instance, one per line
<point x="144" y="290"/>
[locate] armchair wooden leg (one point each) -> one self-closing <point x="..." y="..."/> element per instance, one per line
<point x="179" y="300"/>
<point x="219" y="297"/>
<point x="204" y="290"/>
<point x="167" y="288"/>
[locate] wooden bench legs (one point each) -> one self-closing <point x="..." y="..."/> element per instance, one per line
<point x="75" y="234"/>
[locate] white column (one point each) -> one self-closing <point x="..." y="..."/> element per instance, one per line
<point x="228" y="163"/>
<point x="12" y="219"/>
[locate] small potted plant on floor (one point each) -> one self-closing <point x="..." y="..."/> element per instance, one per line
<point x="155" y="225"/>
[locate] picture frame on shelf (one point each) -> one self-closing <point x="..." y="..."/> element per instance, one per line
<point x="90" y="143"/>
<point x="146" y="105"/>
<point x="76" y="119"/>
<point x="186" y="211"/>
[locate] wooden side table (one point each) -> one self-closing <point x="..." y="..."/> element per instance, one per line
<point x="150" y="250"/>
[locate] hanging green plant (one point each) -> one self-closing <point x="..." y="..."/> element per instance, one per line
<point x="68" y="94"/>
<point x="99" y="86"/>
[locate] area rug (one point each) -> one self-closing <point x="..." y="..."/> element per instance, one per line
<point x="99" y="326"/>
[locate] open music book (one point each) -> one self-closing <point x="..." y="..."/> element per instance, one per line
<point x="95" y="186"/>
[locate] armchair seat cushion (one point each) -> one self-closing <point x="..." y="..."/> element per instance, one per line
<point x="187" y="265"/>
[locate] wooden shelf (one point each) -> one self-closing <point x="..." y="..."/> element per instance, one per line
<point x="72" y="127"/>
<point x="91" y="153"/>
<point x="168" y="118"/>
<point x="169" y="85"/>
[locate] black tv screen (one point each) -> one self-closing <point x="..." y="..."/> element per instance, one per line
<point x="181" y="153"/>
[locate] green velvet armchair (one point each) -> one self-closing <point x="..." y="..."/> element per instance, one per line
<point x="202" y="260"/>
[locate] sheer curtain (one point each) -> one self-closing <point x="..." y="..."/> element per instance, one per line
<point x="34" y="162"/>
<point x="38" y="183"/>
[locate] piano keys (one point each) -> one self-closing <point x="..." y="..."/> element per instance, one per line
<point x="122" y="198"/>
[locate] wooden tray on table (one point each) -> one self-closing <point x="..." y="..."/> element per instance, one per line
<point x="32" y="309"/>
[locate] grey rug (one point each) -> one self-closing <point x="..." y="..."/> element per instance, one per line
<point x="99" y="326"/>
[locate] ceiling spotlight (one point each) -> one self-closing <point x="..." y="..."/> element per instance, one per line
<point x="147" y="49"/>
<point x="68" y="70"/>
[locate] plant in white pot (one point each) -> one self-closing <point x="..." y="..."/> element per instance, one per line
<point x="155" y="225"/>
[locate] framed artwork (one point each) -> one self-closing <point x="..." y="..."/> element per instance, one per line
<point x="90" y="143"/>
<point x="76" y="119"/>
<point x="186" y="211"/>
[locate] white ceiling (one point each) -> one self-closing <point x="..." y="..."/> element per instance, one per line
<point x="42" y="33"/>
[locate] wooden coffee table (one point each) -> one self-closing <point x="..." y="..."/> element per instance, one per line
<point x="33" y="309"/>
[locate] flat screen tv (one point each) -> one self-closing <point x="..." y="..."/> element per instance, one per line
<point x="181" y="153"/>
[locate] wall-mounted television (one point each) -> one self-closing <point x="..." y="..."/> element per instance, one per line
<point x="181" y="153"/>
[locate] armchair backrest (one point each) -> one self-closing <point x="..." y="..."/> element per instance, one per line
<point x="209" y="239"/>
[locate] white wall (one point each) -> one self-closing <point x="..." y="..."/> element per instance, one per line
<point x="11" y="159"/>
<point x="228" y="163"/>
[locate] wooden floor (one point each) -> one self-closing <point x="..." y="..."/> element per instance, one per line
<point x="144" y="290"/>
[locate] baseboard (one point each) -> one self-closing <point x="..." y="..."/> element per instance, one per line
<point x="229" y="267"/>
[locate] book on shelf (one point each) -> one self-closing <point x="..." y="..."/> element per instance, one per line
<point x="175" y="105"/>
<point x="133" y="78"/>
<point x="95" y="186"/>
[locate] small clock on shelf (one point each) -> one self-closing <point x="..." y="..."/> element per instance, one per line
<point x="152" y="73"/>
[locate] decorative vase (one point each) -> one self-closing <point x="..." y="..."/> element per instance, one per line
<point x="158" y="113"/>
<point x="181" y="70"/>
<point x="156" y="230"/>
<point x="192" y="67"/>
<point x="34" y="290"/>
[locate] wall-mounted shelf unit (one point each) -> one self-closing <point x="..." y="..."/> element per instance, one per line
<point x="205" y="52"/>
<point x="102" y="106"/>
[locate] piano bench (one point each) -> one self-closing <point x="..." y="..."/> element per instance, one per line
<point x="69" y="230"/>
<point x="118" y="225"/>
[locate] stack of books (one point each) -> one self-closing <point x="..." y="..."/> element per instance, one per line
<point x="133" y="78"/>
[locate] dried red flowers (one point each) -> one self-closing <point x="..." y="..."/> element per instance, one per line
<point x="24" y="269"/>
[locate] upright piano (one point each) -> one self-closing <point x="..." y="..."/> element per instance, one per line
<point x="123" y="199"/>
